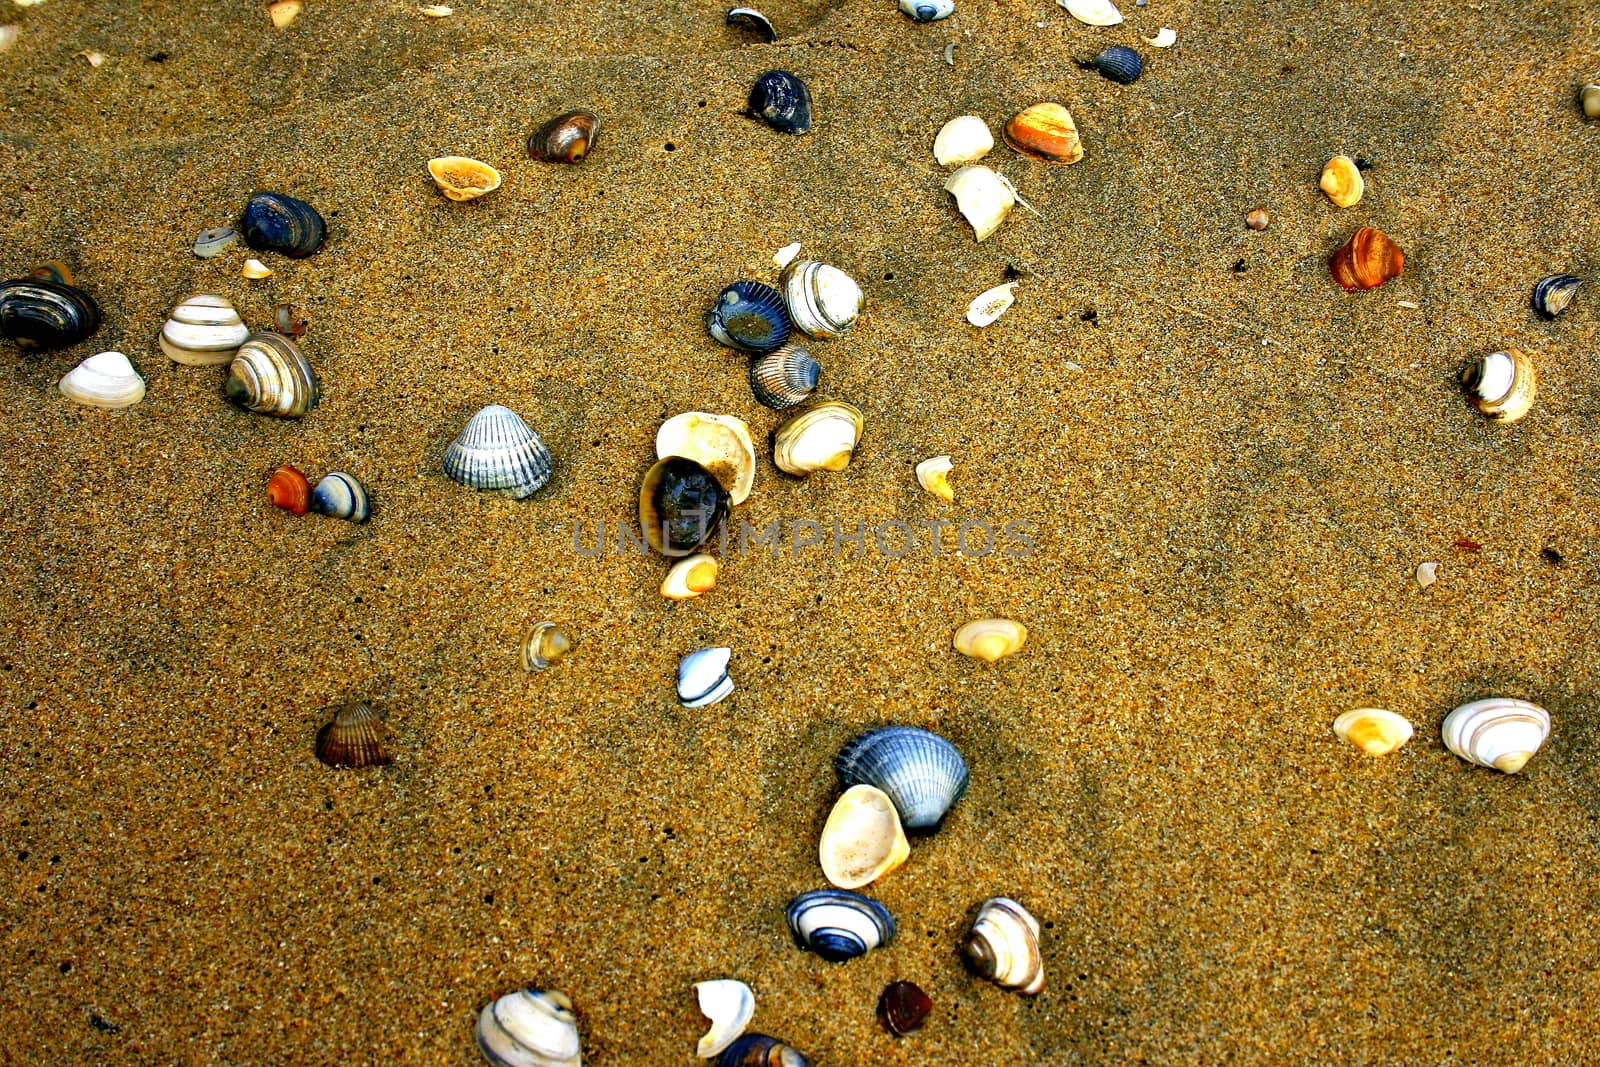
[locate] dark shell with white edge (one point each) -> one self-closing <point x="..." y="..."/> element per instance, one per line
<point x="46" y="311"/>
<point x="353" y="739"/>
<point x="530" y="1028"/>
<point x="273" y="222"/>
<point x="759" y="1050"/>
<point x="749" y="316"/>
<point x="498" y="452"/>
<point x="1552" y="295"/>
<point x="784" y="377"/>
<point x="269" y="375"/>
<point x="339" y="496"/>
<point x="822" y="299"/>
<point x="837" y="924"/>
<point x="782" y="101"/>
<point x="1120" y="63"/>
<point x="681" y="504"/>
<point x="921" y="772"/>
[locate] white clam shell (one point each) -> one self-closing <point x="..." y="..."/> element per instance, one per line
<point x="703" y="677"/>
<point x="1093" y="12"/>
<point x="822" y="299"/>
<point x="690" y="577"/>
<point x="991" y="304"/>
<point x="863" y="839"/>
<point x="1501" y="385"/>
<point x="1427" y="573"/>
<point x="820" y="438"/>
<point x="1004" y="946"/>
<point x="720" y="443"/>
<point x="1497" y="732"/>
<point x="203" y="331"/>
<point x="104" y="380"/>
<point x="1165" y="38"/>
<point x="730" y="1005"/>
<point x="785" y="255"/>
<point x="964" y="139"/>
<point x="934" y="476"/>
<point x="530" y="1028"/>
<point x="984" y="197"/>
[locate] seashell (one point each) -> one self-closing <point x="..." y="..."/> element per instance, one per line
<point x="785" y="255"/>
<point x="1341" y="180"/>
<point x="567" y="138"/>
<point x="990" y="639"/>
<point x="104" y="380"/>
<point x="719" y="443"/>
<point x="759" y="1050"/>
<point x="903" y="1007"/>
<point x="1552" y="295"/>
<point x="863" y="839"/>
<point x="1164" y="38"/>
<point x="690" y="577"/>
<point x="1497" y="732"/>
<point x="991" y="304"/>
<point x="287" y="322"/>
<point x="273" y="222"/>
<point x="681" y="504"/>
<point x="460" y="178"/>
<point x="215" y="240"/>
<point x="544" y="645"/>
<point x="1003" y="946"/>
<point x="268" y="374"/>
<point x="749" y="316"/>
<point x="1044" y="132"/>
<point x="8" y="37"/>
<point x="1258" y="219"/>
<point x="822" y="300"/>
<point x="784" y="377"/>
<point x="289" y="490"/>
<point x="339" y="496"/>
<point x="921" y="772"/>
<point x="837" y="924"/>
<point x="45" y="310"/>
<point x="203" y="331"/>
<point x="934" y="476"/>
<point x="928" y="10"/>
<point x="498" y="452"/>
<point x="1501" y="385"/>
<point x="1589" y="101"/>
<point x="1373" y="730"/>
<point x="255" y="270"/>
<point x="750" y="18"/>
<point x="1427" y="573"/>
<point x="781" y="100"/>
<point x="283" y="12"/>
<point x="530" y="1028"/>
<point x="1367" y="260"/>
<point x="964" y="139"/>
<point x="703" y="677"/>
<point x="820" y="438"/>
<point x="436" y="11"/>
<point x="730" y="1005"/>
<point x="1093" y="12"/>
<point x="984" y="197"/>
<point x="1120" y="63"/>
<point x="353" y="739"/>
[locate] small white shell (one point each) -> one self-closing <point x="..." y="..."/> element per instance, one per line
<point x="991" y="304"/>
<point x="984" y="197"/>
<point x="934" y="476"/>
<point x="1427" y="573"/>
<point x="820" y="438"/>
<point x="720" y="443"/>
<point x="1166" y="38"/>
<point x="863" y="839"/>
<point x="690" y="577"/>
<point x="8" y="37"/>
<point x="1004" y="946"/>
<point x="203" y="331"/>
<point x="730" y="1005"/>
<point x="437" y="11"/>
<point x="1093" y="12"/>
<point x="703" y="677"/>
<point x="1373" y="730"/>
<point x="105" y="380"/>
<point x="1501" y="385"/>
<point x="530" y="1028"/>
<point x="785" y="255"/>
<point x="254" y="269"/>
<point x="1497" y="732"/>
<point x="964" y="139"/>
<point x="990" y="640"/>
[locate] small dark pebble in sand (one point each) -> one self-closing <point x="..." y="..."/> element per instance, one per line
<point x="105" y="1026"/>
<point x="1552" y="557"/>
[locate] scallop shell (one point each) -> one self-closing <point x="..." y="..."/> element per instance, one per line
<point x="1497" y="732"/>
<point x="104" y="380"/>
<point x="498" y="452"/>
<point x="784" y="377"/>
<point x="268" y="374"/>
<point x="1552" y="295"/>
<point x="863" y="839"/>
<point x="273" y="222"/>
<point x="703" y="677"/>
<point x="353" y="739"/>
<point x="903" y="1007"/>
<point x="934" y="476"/>
<point x="1342" y="182"/>
<point x="759" y="1050"/>
<point x="288" y="489"/>
<point x="1093" y="12"/>
<point x="838" y="925"/>
<point x="1367" y="260"/>
<point x="340" y="496"/>
<point x="460" y="178"/>
<point x="782" y="101"/>
<point x="820" y="438"/>
<point x="203" y="331"/>
<point x="1044" y="132"/>
<point x="990" y="639"/>
<point x="1501" y="385"/>
<point x="730" y="1005"/>
<point x="1003" y="946"/>
<point x="719" y="443"/>
<point x="530" y="1028"/>
<point x="690" y="577"/>
<point x="1373" y="730"/>
<point x="749" y="316"/>
<point x="1120" y="63"/>
<point x="921" y="772"/>
<point x="544" y="645"/>
<point x="928" y="10"/>
<point x="215" y="240"/>
<point x="983" y="196"/>
<point x="46" y="311"/>
<point x="822" y="300"/>
<point x="964" y="139"/>
<point x="681" y="504"/>
<point x="991" y="304"/>
<point x="567" y="138"/>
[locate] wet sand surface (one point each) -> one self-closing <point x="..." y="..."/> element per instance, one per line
<point x="1230" y="469"/>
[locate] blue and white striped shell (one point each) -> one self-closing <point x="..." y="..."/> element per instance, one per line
<point x="837" y="924"/>
<point x="928" y="10"/>
<point x="922" y="773"/>
<point x="530" y="1028"/>
<point x="500" y="453"/>
<point x="1552" y="295"/>
<point x="784" y="377"/>
<point x="749" y="316"/>
<point x="339" y="496"/>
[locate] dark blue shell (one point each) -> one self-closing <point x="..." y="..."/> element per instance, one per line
<point x="1120" y="63"/>
<point x="781" y="100"/>
<point x="273" y="222"/>
<point x="922" y="773"/>
<point x="759" y="1050"/>
<point x="837" y="941"/>
<point x="41" y="313"/>
<point x="749" y="316"/>
<point x="1552" y="295"/>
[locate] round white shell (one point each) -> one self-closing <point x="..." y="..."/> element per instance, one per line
<point x="530" y="1028"/>
<point x="1497" y="732"/>
<point x="984" y="197"/>
<point x="823" y="300"/>
<point x="703" y="677"/>
<point x="964" y="139"/>
<point x="105" y="380"/>
<point x="203" y="331"/>
<point x="863" y="839"/>
<point x="991" y="304"/>
<point x="720" y="443"/>
<point x="730" y="1005"/>
<point x="1009" y="937"/>
<point x="1093" y="12"/>
<point x="819" y="438"/>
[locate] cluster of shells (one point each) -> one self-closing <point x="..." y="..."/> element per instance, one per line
<point x="566" y="138"/>
<point x="1503" y="733"/>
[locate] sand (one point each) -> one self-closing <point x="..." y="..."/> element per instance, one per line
<point x="1230" y="469"/>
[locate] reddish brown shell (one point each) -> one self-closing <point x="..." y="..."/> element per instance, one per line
<point x="903" y="1008"/>
<point x="289" y="490"/>
<point x="353" y="739"/>
<point x="1367" y="260"/>
<point x="1045" y="132"/>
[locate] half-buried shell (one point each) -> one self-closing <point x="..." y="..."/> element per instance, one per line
<point x="567" y="138"/>
<point x="274" y="222"/>
<point x="920" y="772"/>
<point x="928" y="10"/>
<point x="1497" y="732"/>
<point x="288" y="489"/>
<point x="340" y="496"/>
<point x="498" y="452"/>
<point x="838" y="925"/>
<point x="1003" y="946"/>
<point x="45" y="310"/>
<point x="820" y="438"/>
<point x="720" y="443"/>
<point x="460" y="178"/>
<point x="863" y="839"/>
<point x="530" y="1028"/>
<point x="782" y="101"/>
<point x="269" y="375"/>
<point x="544" y="645"/>
<point x="203" y="331"/>
<point x="104" y="380"/>
<point x="353" y="739"/>
<point x="1093" y="12"/>
<point x="730" y="1005"/>
<point x="1501" y="385"/>
<point x="759" y="1050"/>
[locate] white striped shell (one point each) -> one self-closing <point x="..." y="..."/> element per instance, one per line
<point x="340" y="496"/>
<point x="964" y="139"/>
<point x="823" y="300"/>
<point x="268" y="374"/>
<point x="720" y="443"/>
<point x="863" y="839"/>
<point x="203" y="331"/>
<point x="1497" y="732"/>
<point x="820" y="438"/>
<point x="530" y="1028"/>
<point x="703" y="677"/>
<point x="1003" y="946"/>
<point x="104" y="380"/>
<point x="498" y="452"/>
<point x="1093" y="12"/>
<point x="730" y="1005"/>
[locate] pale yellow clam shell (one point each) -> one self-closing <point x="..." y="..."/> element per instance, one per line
<point x="460" y="178"/>
<point x="690" y="577"/>
<point x="1375" y="731"/>
<point x="820" y="438"/>
<point x="544" y="645"/>
<point x="990" y="639"/>
<point x="934" y="476"/>
<point x="964" y="139"/>
<point x="720" y="443"/>
<point x="1342" y="182"/>
<point x="1501" y="385"/>
<point x="863" y="839"/>
<point x="254" y="269"/>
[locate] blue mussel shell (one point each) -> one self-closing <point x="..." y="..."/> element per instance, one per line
<point x="781" y="100"/>
<point x="1120" y="63"/>
<point x="273" y="222"/>
<point x="749" y="316"/>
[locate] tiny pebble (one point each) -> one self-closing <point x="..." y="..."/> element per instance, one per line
<point x="1412" y="304"/>
<point x="1427" y="574"/>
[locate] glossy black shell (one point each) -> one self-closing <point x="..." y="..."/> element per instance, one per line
<point x="1552" y="295"/>
<point x="273" y="222"/>
<point x="781" y="100"/>
<point x="689" y="504"/>
<point x="1120" y="63"/>
<point x="750" y="316"/>
<point x="39" y="313"/>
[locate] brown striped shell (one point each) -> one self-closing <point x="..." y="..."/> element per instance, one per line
<point x="353" y="739"/>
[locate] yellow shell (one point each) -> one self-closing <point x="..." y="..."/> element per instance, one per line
<point x="990" y="639"/>
<point x="460" y="178"/>
<point x="545" y="644"/>
<point x="820" y="438"/>
<point x="863" y="839"/>
<point x="691" y="576"/>
<point x="934" y="476"/>
<point x="1341" y="180"/>
<point x="255" y="269"/>
<point x="1373" y="730"/>
<point x="283" y="12"/>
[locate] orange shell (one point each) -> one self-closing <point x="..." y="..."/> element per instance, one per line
<point x="1367" y="260"/>
<point x="289" y="490"/>
<point x="353" y="739"/>
<point x="1045" y="132"/>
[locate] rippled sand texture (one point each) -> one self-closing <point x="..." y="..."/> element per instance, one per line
<point x="1229" y="500"/>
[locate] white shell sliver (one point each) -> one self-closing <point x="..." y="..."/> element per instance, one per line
<point x="1093" y="12"/>
<point x="783" y="256"/>
<point x="730" y="1005"/>
<point x="991" y="304"/>
<point x="106" y="380"/>
<point x="1165" y="38"/>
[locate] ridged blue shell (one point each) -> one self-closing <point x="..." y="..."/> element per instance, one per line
<point x="782" y="101"/>
<point x="759" y="1050"/>
<point x="928" y="10"/>
<point x="1120" y="63"/>
<point x="749" y="316"/>
<point x="273" y="222"/>
<point x="922" y="773"/>
<point x="1552" y="295"/>
<point x="339" y="496"/>
<point x="41" y="313"/>
<point x="499" y="452"/>
<point x="837" y="924"/>
<point x="784" y="377"/>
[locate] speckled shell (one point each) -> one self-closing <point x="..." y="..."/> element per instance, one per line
<point x="498" y="452"/>
<point x="269" y="375"/>
<point x="784" y="377"/>
<point x="749" y="316"/>
<point x="822" y="300"/>
<point x="462" y="178"/>
<point x="530" y="1028"/>
<point x="921" y="772"/>
<point x="105" y="380"/>
<point x="928" y="10"/>
<point x="1120" y="63"/>
<point x="759" y="1050"/>
<point x="353" y="739"/>
<point x="838" y="925"/>
<point x="703" y="677"/>
<point x="1003" y="946"/>
<point x="782" y="101"/>
<point x="1552" y="295"/>
<point x="203" y="331"/>
<point x="40" y="313"/>
<point x="1497" y="732"/>
<point x="339" y="496"/>
<point x="820" y="438"/>
<point x="567" y="138"/>
<point x="273" y="222"/>
<point x="1501" y="385"/>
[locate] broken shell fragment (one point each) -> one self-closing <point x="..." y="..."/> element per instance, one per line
<point x="983" y="196"/>
<point x="567" y="138"/>
<point x="255" y="270"/>
<point x="353" y="739"/>
<point x="863" y="839"/>
<point x="822" y="300"/>
<point x="820" y="438"/>
<point x="1367" y="260"/>
<point x="782" y="101"/>
<point x="1552" y="295"/>
<point x="1501" y="385"/>
<point x="1373" y="730"/>
<point x="720" y="443"/>
<point x="964" y="139"/>
<point x="785" y="255"/>
<point x="283" y="12"/>
<point x="990" y="639"/>
<point x="1589" y="101"/>
<point x="703" y="677"/>
<point x="544" y="645"/>
<point x="288" y="489"/>
<point x="460" y="178"/>
<point x="1003" y="946"/>
<point x="838" y="925"/>
<point x="784" y="377"/>
<point x="903" y="1007"/>
<point x="991" y="304"/>
<point x="1093" y="12"/>
<point x="690" y="577"/>
<point x="437" y="11"/>
<point x="1258" y="219"/>
<point x="1164" y="38"/>
<point x="928" y="10"/>
<point x="269" y="375"/>
<point x="681" y="504"/>
<point x="730" y="1005"/>
<point x="1427" y="574"/>
<point x="1497" y="732"/>
<point x="1045" y="132"/>
<point x="105" y="380"/>
<point x="934" y="476"/>
<point x="750" y="18"/>
<point x="498" y="452"/>
<point x="1120" y="63"/>
<point x="922" y="774"/>
<point x="215" y="240"/>
<point x="1342" y="182"/>
<point x="530" y="1028"/>
<point x="340" y="496"/>
<point x="203" y="331"/>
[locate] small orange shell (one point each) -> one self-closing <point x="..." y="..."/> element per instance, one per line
<point x="1045" y="132"/>
<point x="289" y="490"/>
<point x="1367" y="260"/>
<point x="353" y="739"/>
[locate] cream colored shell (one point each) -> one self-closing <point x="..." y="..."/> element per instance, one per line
<point x="1501" y="385"/>
<point x="964" y="139"/>
<point x="461" y="178"/>
<point x="934" y="476"/>
<point x="990" y="639"/>
<point x="690" y="577"/>
<point x="820" y="438"/>
<point x="1497" y="732"/>
<point x="203" y="331"/>
<point x="1093" y="12"/>
<point x="1003" y="946"/>
<point x="730" y="1005"/>
<point x="105" y="380"/>
<point x="255" y="270"/>
<point x="1342" y="182"/>
<point x="984" y="197"/>
<point x="1373" y="730"/>
<point x="863" y="839"/>
<point x="991" y="304"/>
<point x="719" y="443"/>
